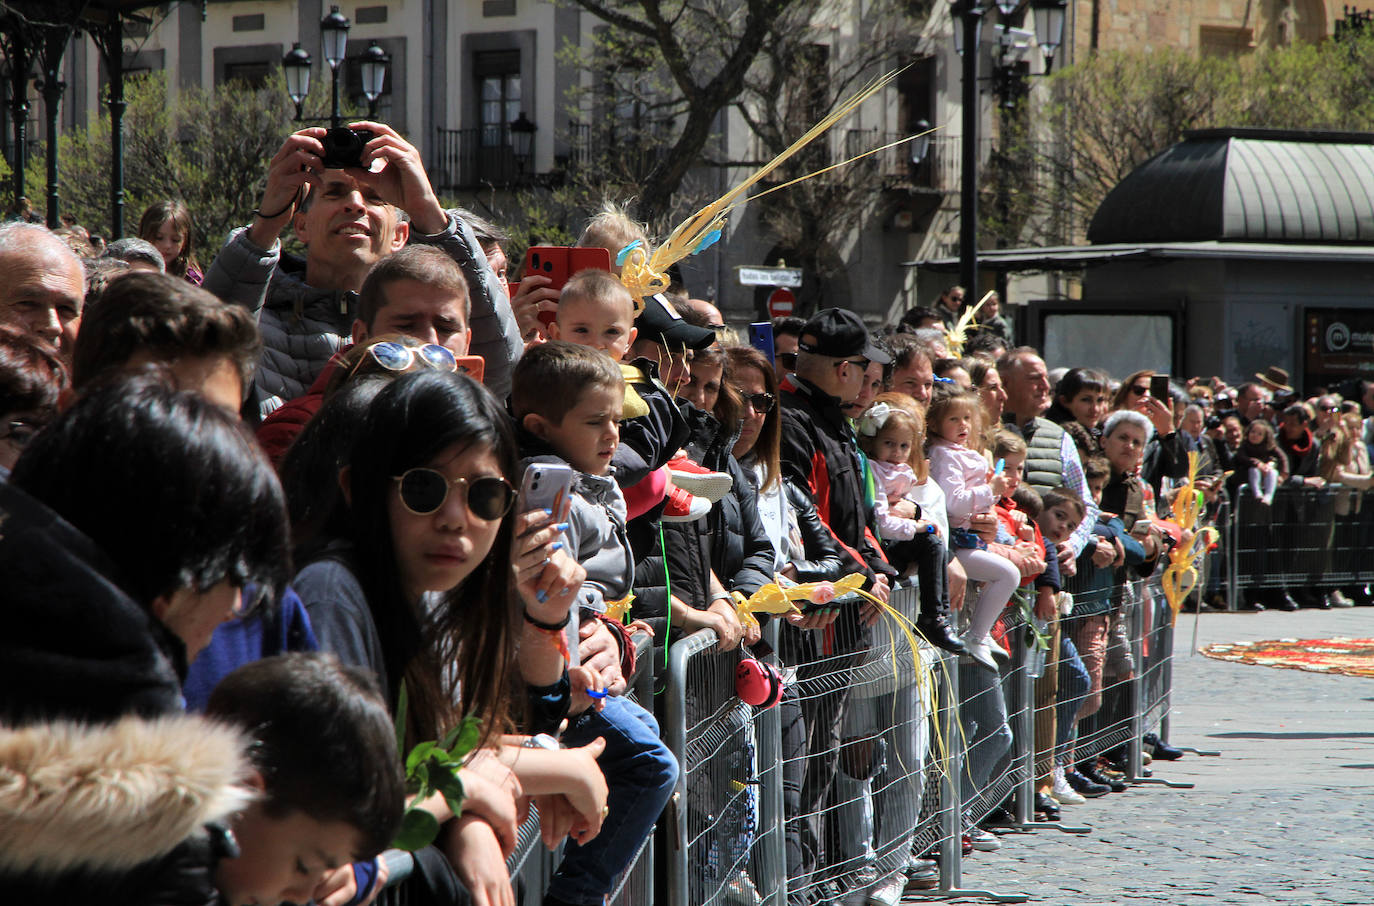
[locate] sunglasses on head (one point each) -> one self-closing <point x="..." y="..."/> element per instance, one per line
<point x="761" y="402"/>
<point x="399" y="357"/>
<point x="424" y="491"/>
<point x="788" y="359"/>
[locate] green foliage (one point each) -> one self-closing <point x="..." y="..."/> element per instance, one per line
<point x="210" y="149"/>
<point x="1113" y="111"/>
<point x="432" y="767"/>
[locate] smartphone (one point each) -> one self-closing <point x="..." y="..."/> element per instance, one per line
<point x="761" y="337"/>
<point x="471" y="365"/>
<point x="560" y="262"/>
<point x="1159" y="387"/>
<point x="545" y="486"/>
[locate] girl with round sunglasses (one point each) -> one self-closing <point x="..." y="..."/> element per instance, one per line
<point x="416" y="584"/>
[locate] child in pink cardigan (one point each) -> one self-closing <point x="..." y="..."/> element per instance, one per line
<point x="970" y="488"/>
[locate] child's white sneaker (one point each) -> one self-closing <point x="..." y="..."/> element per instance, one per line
<point x="1062" y="792"/>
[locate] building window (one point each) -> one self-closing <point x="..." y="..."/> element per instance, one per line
<point x="370" y="15"/>
<point x="253" y="75"/>
<point x="256" y="22"/>
<point x="497" y="75"/>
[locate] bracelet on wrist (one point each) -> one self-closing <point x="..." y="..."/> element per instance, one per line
<point x="549" y="627"/>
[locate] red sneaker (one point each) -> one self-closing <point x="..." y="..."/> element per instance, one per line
<point x="684" y="507"/>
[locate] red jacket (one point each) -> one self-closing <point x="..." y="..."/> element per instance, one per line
<point x="278" y="431"/>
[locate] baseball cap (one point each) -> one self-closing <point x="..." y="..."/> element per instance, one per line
<point x="839" y="334"/>
<point x="660" y="322"/>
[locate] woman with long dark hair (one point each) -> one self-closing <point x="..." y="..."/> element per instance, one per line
<point x="418" y="586"/>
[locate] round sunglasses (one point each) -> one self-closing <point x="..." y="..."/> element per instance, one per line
<point x="424" y="491"/>
<point x="399" y="357"/>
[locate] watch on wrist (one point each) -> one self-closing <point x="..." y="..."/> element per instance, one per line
<point x="541" y="741"/>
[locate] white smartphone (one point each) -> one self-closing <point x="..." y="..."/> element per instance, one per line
<point x="546" y="486"/>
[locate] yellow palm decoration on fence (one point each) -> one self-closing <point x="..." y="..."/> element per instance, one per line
<point x="1181" y="575"/>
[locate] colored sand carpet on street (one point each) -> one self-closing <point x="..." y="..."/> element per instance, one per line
<point x="1352" y="657"/>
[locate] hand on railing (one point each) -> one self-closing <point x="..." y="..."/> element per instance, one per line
<point x="475" y="854"/>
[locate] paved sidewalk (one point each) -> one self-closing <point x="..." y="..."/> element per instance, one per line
<point x="1286" y="815"/>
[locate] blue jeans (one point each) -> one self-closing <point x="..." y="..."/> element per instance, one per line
<point x="1074" y="683"/>
<point x="640" y="776"/>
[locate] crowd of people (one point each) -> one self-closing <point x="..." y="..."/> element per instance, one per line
<point x="273" y="527"/>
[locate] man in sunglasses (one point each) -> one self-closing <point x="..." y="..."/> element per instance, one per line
<point x="349" y="217"/>
<point x="786" y="334"/>
<point x="819" y="451"/>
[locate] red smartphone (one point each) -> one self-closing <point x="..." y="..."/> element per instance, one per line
<point x="559" y="262"/>
<point x="472" y="366"/>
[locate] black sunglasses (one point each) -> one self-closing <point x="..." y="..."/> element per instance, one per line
<point x="1139" y="390"/>
<point x="762" y="403"/>
<point x="424" y="491"/>
<point x="788" y="359"/>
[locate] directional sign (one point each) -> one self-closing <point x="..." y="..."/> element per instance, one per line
<point x="770" y="276"/>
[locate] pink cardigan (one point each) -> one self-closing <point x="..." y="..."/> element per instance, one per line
<point x="963" y="475"/>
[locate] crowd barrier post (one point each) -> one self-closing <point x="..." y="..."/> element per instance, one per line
<point x="1147" y="606"/>
<point x="1024" y="741"/>
<point x="769" y="724"/>
<point x="676" y="736"/>
<point x="1232" y="536"/>
<point x="951" y="798"/>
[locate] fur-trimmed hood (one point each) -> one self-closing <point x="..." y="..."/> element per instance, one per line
<point x="106" y="799"/>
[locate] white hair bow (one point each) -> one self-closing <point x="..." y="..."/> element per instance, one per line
<point x="872" y="421"/>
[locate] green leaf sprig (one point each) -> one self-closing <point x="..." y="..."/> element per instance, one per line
<point x="432" y="767"/>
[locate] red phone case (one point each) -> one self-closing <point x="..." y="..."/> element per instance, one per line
<point x="559" y="262"/>
<point x="471" y="365"/>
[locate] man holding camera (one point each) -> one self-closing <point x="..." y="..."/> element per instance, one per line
<point x="353" y="196"/>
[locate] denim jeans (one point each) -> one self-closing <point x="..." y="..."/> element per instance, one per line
<point x="1074" y="683"/>
<point x="640" y="776"/>
<point x="984" y="716"/>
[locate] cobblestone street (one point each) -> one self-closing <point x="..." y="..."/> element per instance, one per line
<point x="1286" y="815"/>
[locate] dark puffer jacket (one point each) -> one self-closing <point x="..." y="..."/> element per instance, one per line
<point x="303" y="327"/>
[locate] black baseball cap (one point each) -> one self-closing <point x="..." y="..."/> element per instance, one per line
<point x="660" y="322"/>
<point x="840" y="334"/>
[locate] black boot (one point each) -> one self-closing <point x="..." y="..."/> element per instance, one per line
<point x="937" y="632"/>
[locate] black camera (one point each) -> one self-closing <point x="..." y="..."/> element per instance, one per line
<point x="343" y="147"/>
<point x="1213" y="421"/>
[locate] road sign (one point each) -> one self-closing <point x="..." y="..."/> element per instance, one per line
<point x="781" y="303"/>
<point x="770" y="276"/>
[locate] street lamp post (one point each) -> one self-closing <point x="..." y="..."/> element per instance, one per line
<point x="1049" y="27"/>
<point x="296" y="65"/>
<point x="334" y="41"/>
<point x="968" y="18"/>
<point x="372" y="68"/>
<point x="522" y="140"/>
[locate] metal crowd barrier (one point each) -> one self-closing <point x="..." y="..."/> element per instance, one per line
<point x="916" y="753"/>
<point x="1315" y="539"/>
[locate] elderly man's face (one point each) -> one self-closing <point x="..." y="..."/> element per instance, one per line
<point x="41" y="293"/>
<point x="1027" y="384"/>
